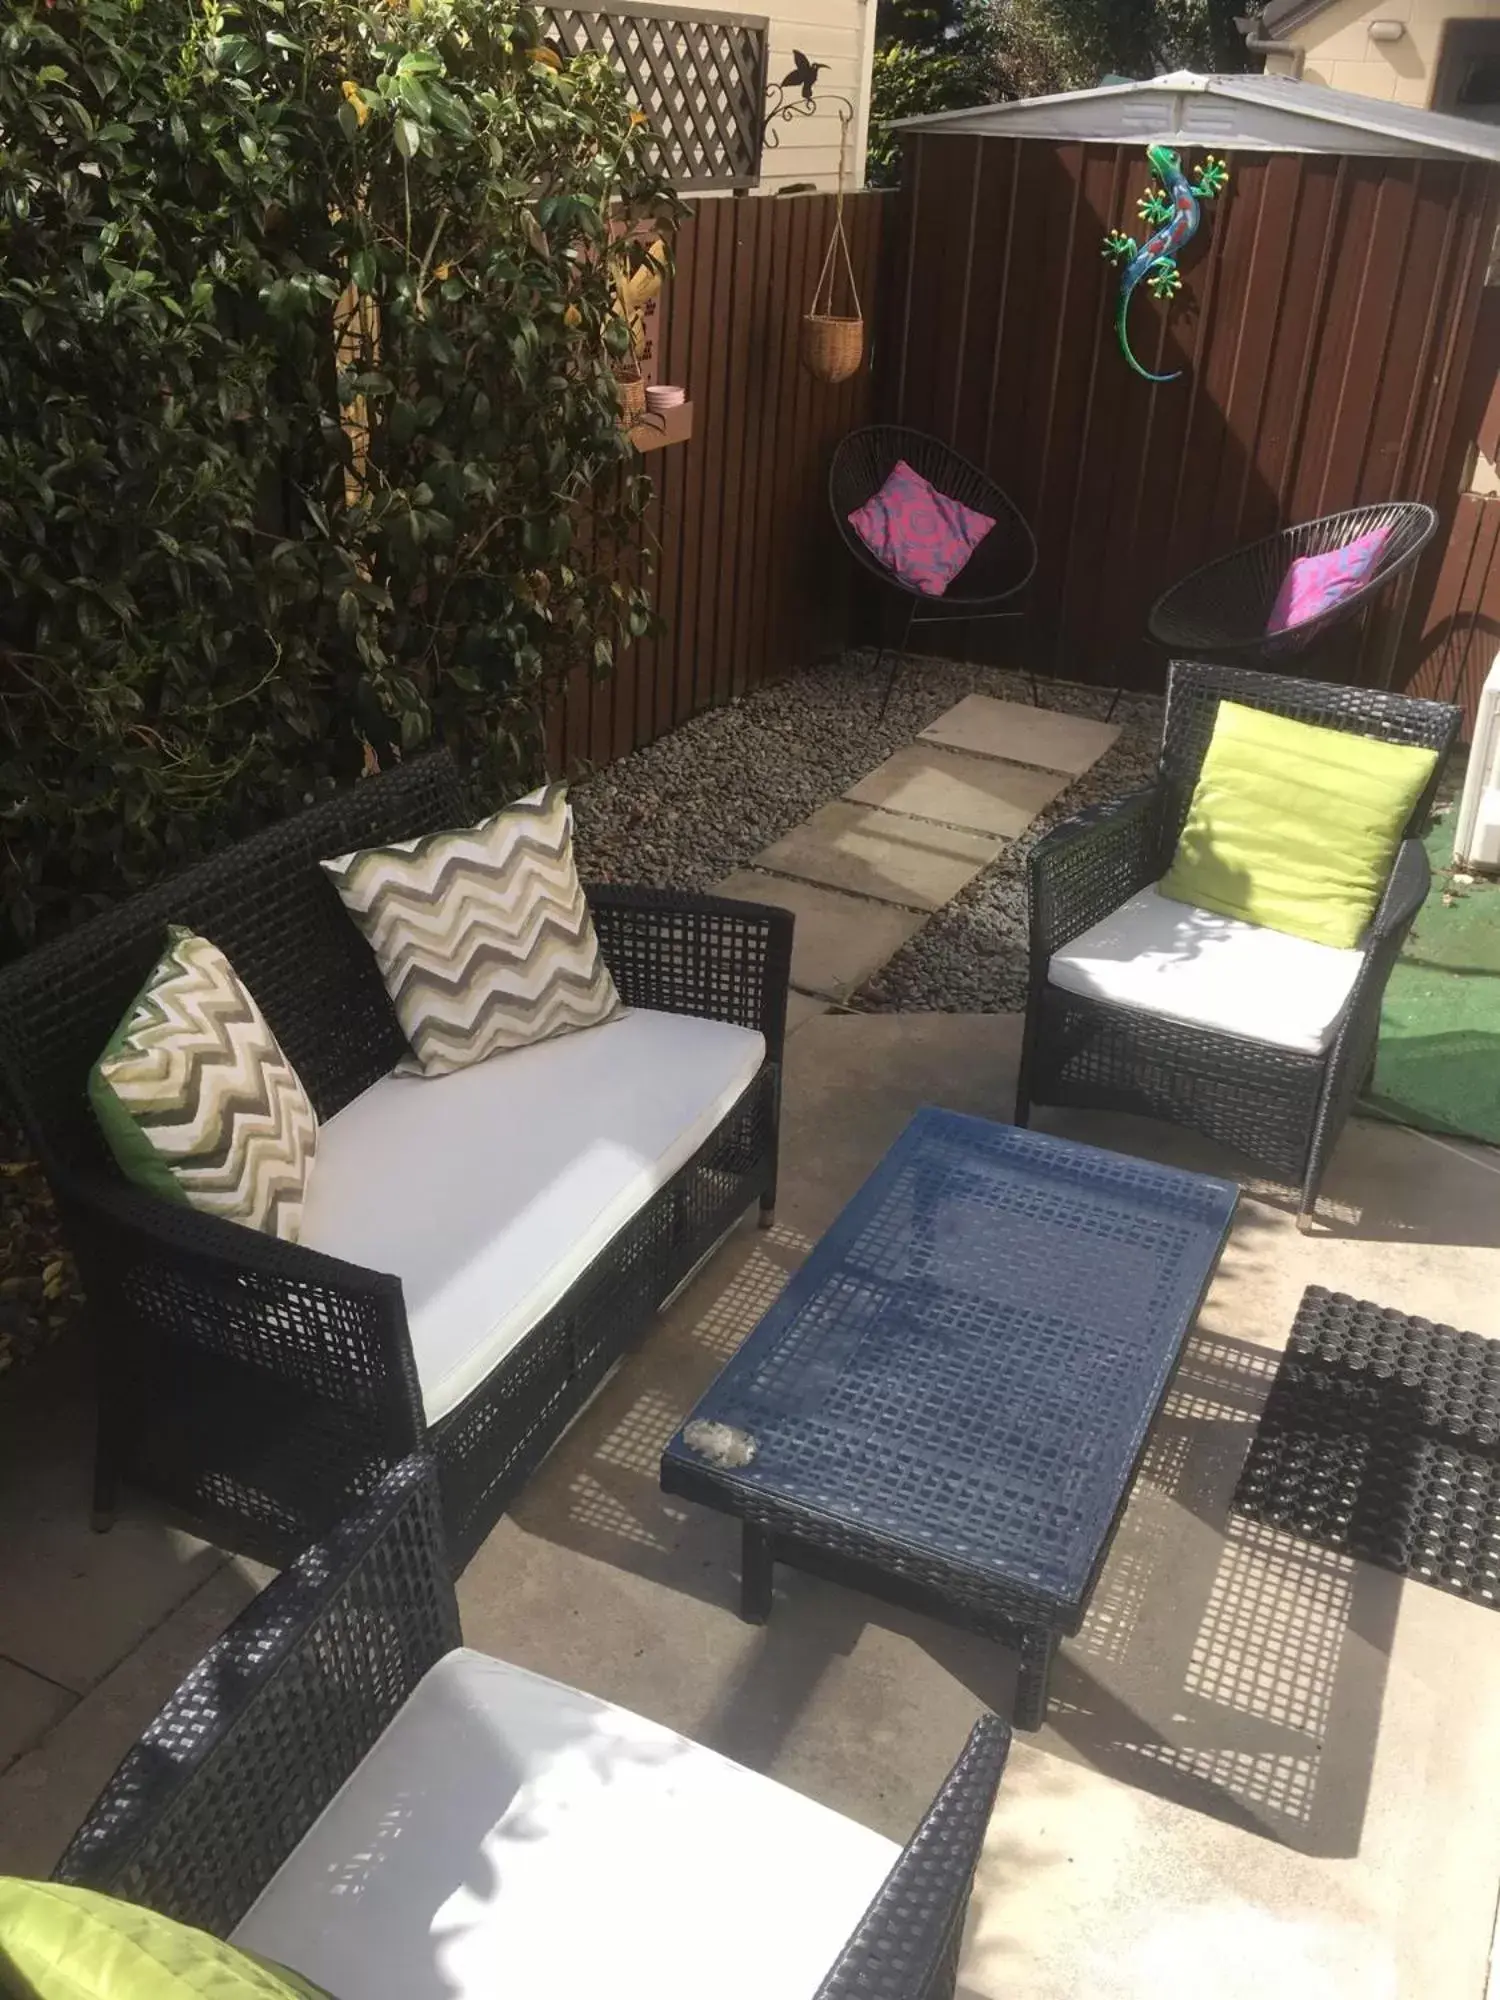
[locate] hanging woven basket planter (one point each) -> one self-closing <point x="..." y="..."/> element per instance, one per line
<point x="833" y="344"/>
<point x="832" y="348"/>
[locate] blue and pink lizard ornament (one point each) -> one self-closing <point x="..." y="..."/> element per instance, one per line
<point x="1171" y="206"/>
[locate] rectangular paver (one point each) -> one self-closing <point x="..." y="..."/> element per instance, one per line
<point x="1041" y="736"/>
<point x="29" y="1706"/>
<point x="802" y="1008"/>
<point x="840" y="940"/>
<point x="979" y="793"/>
<point x="890" y="856"/>
<point x="72" y="1603"/>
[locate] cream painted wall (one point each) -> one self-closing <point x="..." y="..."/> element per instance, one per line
<point x="840" y="33"/>
<point x="1340" y="52"/>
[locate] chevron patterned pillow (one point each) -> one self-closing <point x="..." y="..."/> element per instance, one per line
<point x="197" y="1101"/>
<point x="483" y="935"/>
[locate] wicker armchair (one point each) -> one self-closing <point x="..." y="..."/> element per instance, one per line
<point x="281" y="1715"/>
<point x="1281" y="1106"/>
<point x="1000" y="567"/>
<point x="257" y="1387"/>
<point x="1219" y="612"/>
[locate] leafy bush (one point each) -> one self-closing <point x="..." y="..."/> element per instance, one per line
<point x="309" y="444"/>
<point x="908" y="81"/>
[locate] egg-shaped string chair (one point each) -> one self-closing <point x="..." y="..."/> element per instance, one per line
<point x="1220" y="611"/>
<point x="1002" y="564"/>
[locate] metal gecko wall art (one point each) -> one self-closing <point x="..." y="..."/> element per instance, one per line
<point x="1170" y="206"/>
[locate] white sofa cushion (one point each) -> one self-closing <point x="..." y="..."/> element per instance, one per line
<point x="490" y="1191"/>
<point x="508" y="1838"/>
<point x="1187" y="964"/>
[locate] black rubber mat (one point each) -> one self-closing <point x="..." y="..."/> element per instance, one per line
<point x="1381" y="1436"/>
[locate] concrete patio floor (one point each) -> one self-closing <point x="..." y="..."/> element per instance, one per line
<point x="1267" y="1768"/>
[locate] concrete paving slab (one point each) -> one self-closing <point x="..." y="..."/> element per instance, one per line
<point x="1026" y="735"/>
<point x="802" y="1008"/>
<point x="840" y="940"/>
<point x="958" y="789"/>
<point x="29" y="1706"/>
<point x="73" y="1603"/>
<point x="890" y="856"/>
<point x="46" y="1793"/>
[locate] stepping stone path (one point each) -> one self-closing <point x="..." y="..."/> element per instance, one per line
<point x="866" y="871"/>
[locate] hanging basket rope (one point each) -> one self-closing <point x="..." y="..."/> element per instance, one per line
<point x="833" y="344"/>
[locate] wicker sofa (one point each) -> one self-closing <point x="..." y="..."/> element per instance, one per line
<point x="476" y="1251"/>
<point x="340" y="1786"/>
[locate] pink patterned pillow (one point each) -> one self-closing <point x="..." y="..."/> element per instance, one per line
<point x="921" y="534"/>
<point x="1315" y="584"/>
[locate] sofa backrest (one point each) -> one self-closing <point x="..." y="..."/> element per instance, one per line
<point x="270" y="908"/>
<point x="1195" y="688"/>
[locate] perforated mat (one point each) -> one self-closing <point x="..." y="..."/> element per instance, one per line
<point x="1381" y="1436"/>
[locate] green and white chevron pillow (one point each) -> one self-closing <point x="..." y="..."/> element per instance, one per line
<point x="483" y="935"/>
<point x="196" y="1100"/>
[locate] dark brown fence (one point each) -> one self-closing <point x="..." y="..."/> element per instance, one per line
<point x="1461" y="627"/>
<point x="1324" y="330"/>
<point x="749" y="577"/>
<point x="1457" y="608"/>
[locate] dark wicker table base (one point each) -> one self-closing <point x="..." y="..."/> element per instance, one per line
<point x="1381" y="1436"/>
<point x="1035" y="1645"/>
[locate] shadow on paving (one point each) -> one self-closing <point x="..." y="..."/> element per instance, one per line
<point x="1223" y="1665"/>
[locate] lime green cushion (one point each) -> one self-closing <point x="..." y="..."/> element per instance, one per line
<point x="1295" y="827"/>
<point x="59" y="1943"/>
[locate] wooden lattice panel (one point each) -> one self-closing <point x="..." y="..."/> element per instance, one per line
<point x="699" y="78"/>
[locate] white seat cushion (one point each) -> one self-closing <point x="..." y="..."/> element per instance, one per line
<point x="1187" y="964"/>
<point x="490" y="1191"/>
<point x="508" y="1838"/>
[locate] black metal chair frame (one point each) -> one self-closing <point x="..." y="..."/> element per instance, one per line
<point x="284" y="1708"/>
<point x="1282" y="1109"/>
<point x="1219" y="611"/>
<point x="1001" y="566"/>
<point x="259" y="1388"/>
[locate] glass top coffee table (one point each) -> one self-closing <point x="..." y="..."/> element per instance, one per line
<point x="947" y="1404"/>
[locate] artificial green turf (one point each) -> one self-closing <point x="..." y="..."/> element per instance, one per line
<point x="1439" y="1062"/>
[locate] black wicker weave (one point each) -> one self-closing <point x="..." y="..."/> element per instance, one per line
<point x="907" y="1943"/>
<point x="1283" y="1110"/>
<point x="257" y="1387"/>
<point x="1381" y="1436"/>
<point x="1001" y="566"/>
<point x="949" y="1400"/>
<point x="276" y="1716"/>
<point x="1219" y="612"/>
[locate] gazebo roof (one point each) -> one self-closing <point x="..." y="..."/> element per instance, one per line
<point x="1267" y="114"/>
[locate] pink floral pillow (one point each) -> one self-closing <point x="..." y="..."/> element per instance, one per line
<point x="921" y="534"/>
<point x="1315" y="584"/>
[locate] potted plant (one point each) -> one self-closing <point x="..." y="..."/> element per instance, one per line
<point x="639" y="269"/>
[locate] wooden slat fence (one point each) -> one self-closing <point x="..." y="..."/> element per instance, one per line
<point x="749" y="577"/>
<point x="1324" y="329"/>
<point x="1461" y="628"/>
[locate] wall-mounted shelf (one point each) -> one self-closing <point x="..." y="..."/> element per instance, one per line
<point x="663" y="427"/>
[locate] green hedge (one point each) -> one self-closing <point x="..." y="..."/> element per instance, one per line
<point x="309" y="450"/>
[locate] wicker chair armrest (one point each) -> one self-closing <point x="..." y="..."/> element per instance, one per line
<point x="1405" y="893"/>
<point x="1090" y="865"/>
<point x="907" y="1943"/>
<point x="691" y="954"/>
<point x="326" y="1325"/>
<point x="276" y="1715"/>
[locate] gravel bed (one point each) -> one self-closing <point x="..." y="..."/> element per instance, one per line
<point x="705" y="800"/>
